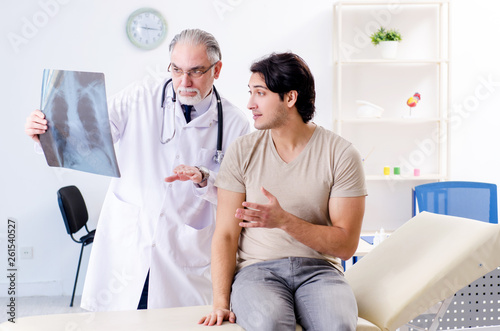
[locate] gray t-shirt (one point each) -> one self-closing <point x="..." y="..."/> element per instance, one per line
<point x="329" y="166"/>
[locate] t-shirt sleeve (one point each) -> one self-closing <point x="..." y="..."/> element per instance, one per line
<point x="349" y="176"/>
<point x="230" y="176"/>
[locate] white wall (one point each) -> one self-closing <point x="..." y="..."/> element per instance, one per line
<point x="476" y="56"/>
<point x="90" y="36"/>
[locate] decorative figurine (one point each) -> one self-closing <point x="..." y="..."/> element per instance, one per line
<point x="412" y="101"/>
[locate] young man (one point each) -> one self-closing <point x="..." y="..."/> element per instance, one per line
<point x="152" y="244"/>
<point x="290" y="206"/>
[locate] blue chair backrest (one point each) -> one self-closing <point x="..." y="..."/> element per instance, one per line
<point x="456" y="198"/>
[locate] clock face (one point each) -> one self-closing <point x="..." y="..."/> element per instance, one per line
<point x="146" y="28"/>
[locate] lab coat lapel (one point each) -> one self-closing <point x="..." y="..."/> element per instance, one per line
<point x="205" y="120"/>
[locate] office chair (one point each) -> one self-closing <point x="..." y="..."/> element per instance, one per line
<point x="75" y="216"/>
<point x="473" y="200"/>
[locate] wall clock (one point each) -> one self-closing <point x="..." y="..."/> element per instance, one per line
<point x="146" y="28"/>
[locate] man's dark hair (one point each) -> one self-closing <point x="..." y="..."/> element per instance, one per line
<point x="285" y="72"/>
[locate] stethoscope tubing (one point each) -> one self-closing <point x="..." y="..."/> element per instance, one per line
<point x="218" y="154"/>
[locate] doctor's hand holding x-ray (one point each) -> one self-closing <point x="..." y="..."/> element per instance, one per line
<point x="35" y="124"/>
<point x="153" y="238"/>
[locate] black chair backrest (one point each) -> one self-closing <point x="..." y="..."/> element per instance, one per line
<point x="73" y="208"/>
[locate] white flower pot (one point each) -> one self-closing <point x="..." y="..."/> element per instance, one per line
<point x="388" y="49"/>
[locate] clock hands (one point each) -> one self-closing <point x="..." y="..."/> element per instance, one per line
<point x="148" y="28"/>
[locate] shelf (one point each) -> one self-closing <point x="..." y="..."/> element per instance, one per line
<point x="396" y="61"/>
<point x="385" y="3"/>
<point x="410" y="121"/>
<point x="420" y="141"/>
<point x="404" y="177"/>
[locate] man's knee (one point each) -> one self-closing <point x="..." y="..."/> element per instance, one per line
<point x="258" y="313"/>
<point x="260" y="320"/>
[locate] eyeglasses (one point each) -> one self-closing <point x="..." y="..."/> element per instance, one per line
<point x="194" y="73"/>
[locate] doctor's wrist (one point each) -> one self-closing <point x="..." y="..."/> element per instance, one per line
<point x="205" y="173"/>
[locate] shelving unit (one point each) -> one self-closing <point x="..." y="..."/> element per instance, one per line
<point x="395" y="139"/>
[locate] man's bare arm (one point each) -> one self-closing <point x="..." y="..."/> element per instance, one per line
<point x="224" y="249"/>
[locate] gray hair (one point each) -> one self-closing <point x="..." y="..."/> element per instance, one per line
<point x="199" y="37"/>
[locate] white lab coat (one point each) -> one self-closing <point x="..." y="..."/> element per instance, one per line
<point x="148" y="224"/>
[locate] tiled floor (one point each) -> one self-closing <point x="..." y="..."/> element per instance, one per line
<point x="30" y="306"/>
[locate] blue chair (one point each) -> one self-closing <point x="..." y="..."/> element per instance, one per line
<point x="472" y="200"/>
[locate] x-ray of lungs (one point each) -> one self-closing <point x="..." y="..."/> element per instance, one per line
<point x="78" y="135"/>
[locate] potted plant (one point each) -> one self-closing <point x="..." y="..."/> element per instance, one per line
<point x="388" y="41"/>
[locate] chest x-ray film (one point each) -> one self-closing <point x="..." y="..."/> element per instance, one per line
<point x="78" y="135"/>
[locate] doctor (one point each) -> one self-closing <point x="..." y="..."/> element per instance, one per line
<point x="152" y="244"/>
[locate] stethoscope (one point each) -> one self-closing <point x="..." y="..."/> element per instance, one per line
<point x="218" y="154"/>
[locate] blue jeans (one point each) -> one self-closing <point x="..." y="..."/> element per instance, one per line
<point x="275" y="295"/>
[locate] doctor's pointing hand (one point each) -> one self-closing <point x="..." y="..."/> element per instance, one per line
<point x="184" y="173"/>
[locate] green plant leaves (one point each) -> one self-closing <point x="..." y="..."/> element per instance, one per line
<point x="385" y="35"/>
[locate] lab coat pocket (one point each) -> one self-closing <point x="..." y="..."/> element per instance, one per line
<point x="206" y="158"/>
<point x="200" y="215"/>
<point x="122" y="220"/>
<point x="193" y="250"/>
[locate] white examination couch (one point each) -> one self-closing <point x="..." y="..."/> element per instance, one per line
<point x="422" y="263"/>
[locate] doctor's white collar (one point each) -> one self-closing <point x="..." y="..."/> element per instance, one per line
<point x="202" y="106"/>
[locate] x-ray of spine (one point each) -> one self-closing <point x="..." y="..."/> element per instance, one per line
<point x="78" y="135"/>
